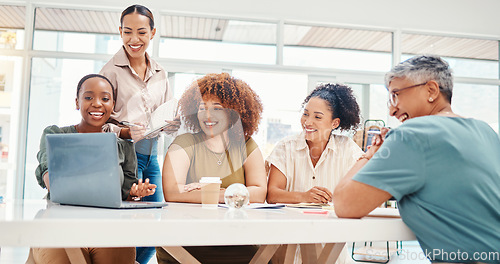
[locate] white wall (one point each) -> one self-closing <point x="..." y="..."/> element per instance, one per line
<point x="478" y="17"/>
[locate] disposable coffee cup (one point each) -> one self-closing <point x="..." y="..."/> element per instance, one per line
<point x="210" y="189"/>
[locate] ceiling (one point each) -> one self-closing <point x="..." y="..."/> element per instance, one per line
<point x="12" y="17"/>
<point x="216" y="29"/>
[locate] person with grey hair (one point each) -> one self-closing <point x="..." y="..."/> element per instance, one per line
<point x="443" y="169"/>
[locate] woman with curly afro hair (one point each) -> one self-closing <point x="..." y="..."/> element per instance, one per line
<point x="223" y="113"/>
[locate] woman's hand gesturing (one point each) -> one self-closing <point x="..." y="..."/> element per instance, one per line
<point x="142" y="189"/>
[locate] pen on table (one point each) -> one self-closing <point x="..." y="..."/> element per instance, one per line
<point x="126" y="123"/>
<point x="315" y="212"/>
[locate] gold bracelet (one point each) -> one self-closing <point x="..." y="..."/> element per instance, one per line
<point x="363" y="157"/>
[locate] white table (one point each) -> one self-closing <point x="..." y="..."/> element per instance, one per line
<point x="37" y="223"/>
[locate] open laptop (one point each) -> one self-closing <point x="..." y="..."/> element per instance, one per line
<point x="84" y="170"/>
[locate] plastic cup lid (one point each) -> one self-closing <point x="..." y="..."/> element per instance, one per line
<point x="210" y="180"/>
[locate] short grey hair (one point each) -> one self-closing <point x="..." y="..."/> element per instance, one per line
<point x="424" y="68"/>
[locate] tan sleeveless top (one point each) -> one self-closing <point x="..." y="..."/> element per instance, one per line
<point x="203" y="161"/>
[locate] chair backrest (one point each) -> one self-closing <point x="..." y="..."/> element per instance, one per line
<point x="358" y="137"/>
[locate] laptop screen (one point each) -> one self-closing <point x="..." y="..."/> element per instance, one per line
<point x="84" y="169"/>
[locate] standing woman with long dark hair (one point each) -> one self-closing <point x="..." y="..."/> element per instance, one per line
<point x="141" y="86"/>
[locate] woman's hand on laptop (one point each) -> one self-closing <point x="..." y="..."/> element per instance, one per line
<point x="142" y="189"/>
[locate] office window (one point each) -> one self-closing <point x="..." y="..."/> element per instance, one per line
<point x="465" y="101"/>
<point x="71" y="30"/>
<point x="180" y="81"/>
<point x="12" y="19"/>
<point x="52" y="102"/>
<point x="214" y="39"/>
<point x="467" y="57"/>
<point x="476" y="101"/>
<point x="10" y="83"/>
<point x="337" y="48"/>
<point x="378" y="105"/>
<point x="2" y="82"/>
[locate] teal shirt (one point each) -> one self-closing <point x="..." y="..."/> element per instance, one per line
<point x="445" y="174"/>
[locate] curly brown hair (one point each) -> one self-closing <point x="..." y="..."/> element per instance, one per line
<point x="233" y="93"/>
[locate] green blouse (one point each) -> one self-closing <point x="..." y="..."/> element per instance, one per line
<point x="126" y="157"/>
<point x="204" y="162"/>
